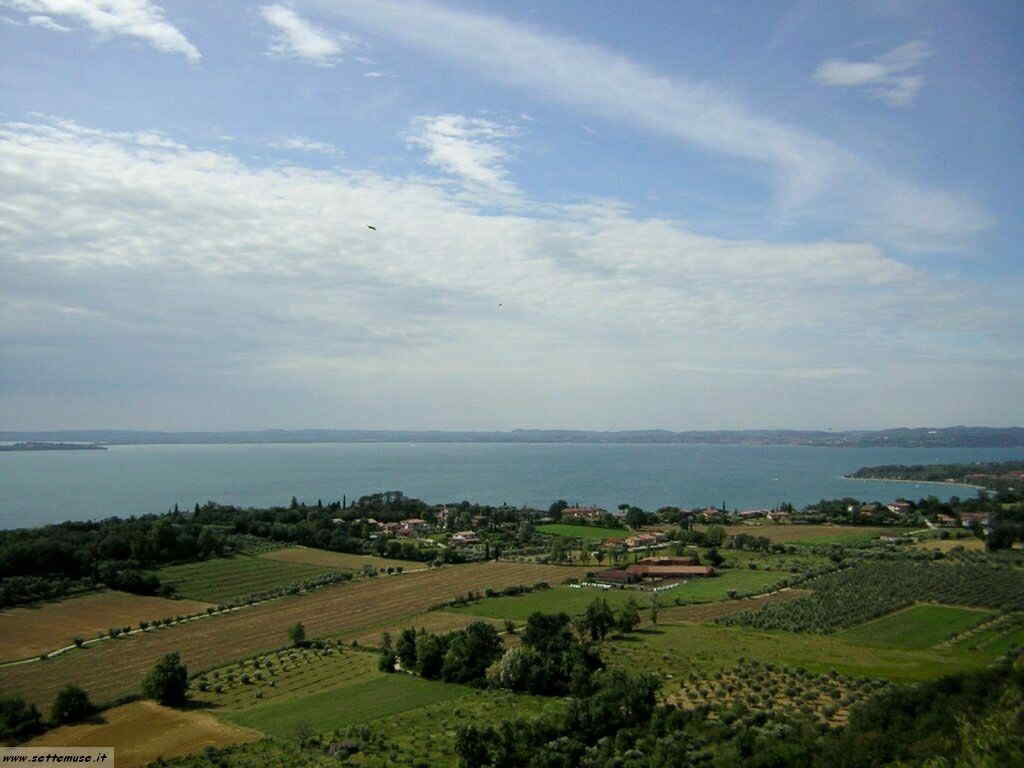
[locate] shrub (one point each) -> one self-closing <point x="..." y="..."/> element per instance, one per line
<point x="72" y="705"/>
<point x="78" y="641"/>
<point x="168" y="681"/>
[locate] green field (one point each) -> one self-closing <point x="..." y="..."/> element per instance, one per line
<point x="920" y="626"/>
<point x="222" y="578"/>
<point x="998" y="638"/>
<point x="358" y="703"/>
<point x="676" y="650"/>
<point x="586" y="532"/>
<point x="575" y="601"/>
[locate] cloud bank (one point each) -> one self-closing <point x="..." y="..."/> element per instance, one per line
<point x="891" y="77"/>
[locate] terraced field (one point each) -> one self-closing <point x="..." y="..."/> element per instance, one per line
<point x="29" y="631"/>
<point x="223" y="578"/>
<point x="221" y="639"/>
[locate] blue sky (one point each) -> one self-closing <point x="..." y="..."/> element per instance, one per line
<point x="599" y="214"/>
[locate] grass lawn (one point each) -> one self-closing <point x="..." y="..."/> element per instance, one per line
<point x="575" y="601"/>
<point x="222" y="578"/>
<point x="920" y="626"/>
<point x="994" y="640"/>
<point x="676" y="650"/>
<point x="350" y="704"/>
<point x="588" y="532"/>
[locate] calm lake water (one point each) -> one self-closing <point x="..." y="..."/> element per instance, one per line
<point x="44" y="487"/>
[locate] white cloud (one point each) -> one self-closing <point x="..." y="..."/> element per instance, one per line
<point x="469" y="148"/>
<point x="891" y="77"/>
<point x="373" y="74"/>
<point x="812" y="173"/>
<point x="47" y="23"/>
<point x="198" y="272"/>
<point x="299" y="39"/>
<point x="133" y="18"/>
<point x="301" y="144"/>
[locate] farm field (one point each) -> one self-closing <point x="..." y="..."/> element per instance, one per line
<point x="585" y="532"/>
<point x="971" y="544"/>
<point x="354" y="703"/>
<point x="144" y="731"/>
<point x="220" y="579"/>
<point x="337" y="560"/>
<point x="757" y="685"/>
<point x="573" y="601"/>
<point x="920" y="626"/>
<point x="812" y="534"/>
<point x="700" y="648"/>
<point x="225" y="638"/>
<point x="681" y="614"/>
<point x="738" y="558"/>
<point x="283" y="674"/>
<point x="1004" y="635"/>
<point x="30" y="631"/>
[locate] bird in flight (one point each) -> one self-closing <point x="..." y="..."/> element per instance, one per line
<point x="370" y="226"/>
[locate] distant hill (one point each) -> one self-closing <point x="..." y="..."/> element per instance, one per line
<point x="903" y="437"/>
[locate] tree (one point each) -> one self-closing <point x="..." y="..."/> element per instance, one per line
<point x="168" y="681"/>
<point x="18" y="720"/>
<point x="405" y="648"/>
<point x="629" y="616"/>
<point x="715" y="536"/>
<point x="471" y="652"/>
<point x="297" y="634"/>
<point x="714" y="558"/>
<point x="655" y="609"/>
<point x="72" y="705"/>
<point x="598" y="619"/>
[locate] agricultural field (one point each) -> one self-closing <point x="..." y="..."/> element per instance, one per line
<point x="920" y="626"/>
<point x="682" y="614"/>
<point x="812" y="534"/>
<point x="359" y="702"/>
<point x="338" y="560"/>
<point x="29" y="631"/>
<point x="144" y="731"/>
<point x="573" y="601"/>
<point x="801" y="561"/>
<point x="283" y="674"/>
<point x="585" y="532"/>
<point x="672" y="651"/>
<point x="1003" y="635"/>
<point x="971" y="544"/>
<point x="225" y="638"/>
<point x="846" y="598"/>
<point x="221" y="579"/>
<point x="772" y="687"/>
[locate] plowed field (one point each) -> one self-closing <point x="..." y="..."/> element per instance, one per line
<point x="116" y="668"/>
<point x="26" y="632"/>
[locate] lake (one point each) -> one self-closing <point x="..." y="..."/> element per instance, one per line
<point x="50" y="486"/>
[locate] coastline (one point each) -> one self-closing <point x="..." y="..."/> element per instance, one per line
<point x="925" y="482"/>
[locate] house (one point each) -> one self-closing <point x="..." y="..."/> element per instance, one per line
<point x="898" y="507"/>
<point x="711" y="513"/>
<point x="465" y="537"/>
<point x="414" y="526"/>
<point x="588" y="514"/>
<point x="616" y="576"/>
<point x="946" y="521"/>
<point x="970" y="519"/>
<point x="641" y="540"/>
<point x="670" y="571"/>
<point x="752" y="514"/>
<point x="778" y="516"/>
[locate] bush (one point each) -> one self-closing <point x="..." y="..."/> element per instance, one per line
<point x="168" y="681"/>
<point x="72" y="705"/>
<point x="18" y="720"/>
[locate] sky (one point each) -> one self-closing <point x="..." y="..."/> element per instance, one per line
<point x="485" y="214"/>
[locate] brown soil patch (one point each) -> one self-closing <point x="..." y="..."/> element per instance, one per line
<point x="329" y="559"/>
<point x="116" y="667"/>
<point x="143" y="731"/>
<point x="712" y="611"/>
<point x="30" y="631"/>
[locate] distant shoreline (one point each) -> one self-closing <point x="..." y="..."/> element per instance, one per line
<point x="43" y="446"/>
<point x="926" y="482"/>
